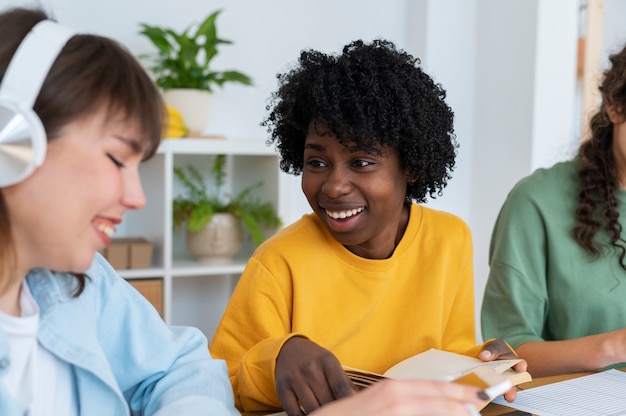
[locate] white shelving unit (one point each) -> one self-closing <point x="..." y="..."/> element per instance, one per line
<point x="194" y="293"/>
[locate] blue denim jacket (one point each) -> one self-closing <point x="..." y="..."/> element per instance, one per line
<point x="125" y="359"/>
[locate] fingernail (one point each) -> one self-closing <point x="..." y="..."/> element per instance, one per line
<point x="482" y="395"/>
<point x="486" y="353"/>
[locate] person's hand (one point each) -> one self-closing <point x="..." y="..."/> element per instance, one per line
<point x="308" y="376"/>
<point x="408" y="397"/>
<point x="500" y="350"/>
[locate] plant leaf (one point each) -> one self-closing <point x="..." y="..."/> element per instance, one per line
<point x="200" y="216"/>
<point x="233" y="76"/>
<point x="183" y="60"/>
<point x="197" y="206"/>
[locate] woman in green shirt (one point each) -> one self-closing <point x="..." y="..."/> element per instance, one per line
<point x="557" y="285"/>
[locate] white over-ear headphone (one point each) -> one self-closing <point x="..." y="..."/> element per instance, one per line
<point x="23" y="139"/>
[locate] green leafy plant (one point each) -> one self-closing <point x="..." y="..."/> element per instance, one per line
<point x="184" y="59"/>
<point x="198" y="204"/>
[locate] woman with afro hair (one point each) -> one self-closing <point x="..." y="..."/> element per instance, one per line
<point x="371" y="277"/>
<point x="557" y="282"/>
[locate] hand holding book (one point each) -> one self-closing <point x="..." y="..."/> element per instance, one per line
<point x="496" y="349"/>
<point x="495" y="377"/>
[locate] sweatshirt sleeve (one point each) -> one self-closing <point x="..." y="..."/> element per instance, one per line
<point x="253" y="329"/>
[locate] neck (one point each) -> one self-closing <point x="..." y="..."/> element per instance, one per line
<point x="404" y="222"/>
<point x="10" y="298"/>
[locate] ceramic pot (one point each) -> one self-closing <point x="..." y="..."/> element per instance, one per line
<point x="219" y="241"/>
<point x="194" y="105"/>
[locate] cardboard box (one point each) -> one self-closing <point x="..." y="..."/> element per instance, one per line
<point x="151" y="289"/>
<point x="129" y="253"/>
<point x="117" y="254"/>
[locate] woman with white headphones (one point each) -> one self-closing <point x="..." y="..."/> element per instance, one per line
<point x="77" y="116"/>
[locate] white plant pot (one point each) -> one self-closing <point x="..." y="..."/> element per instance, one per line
<point x="194" y="105"/>
<point x="218" y="242"/>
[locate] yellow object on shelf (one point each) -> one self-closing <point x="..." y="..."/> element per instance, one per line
<point x="174" y="126"/>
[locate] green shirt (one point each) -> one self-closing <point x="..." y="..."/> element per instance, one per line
<point x="542" y="285"/>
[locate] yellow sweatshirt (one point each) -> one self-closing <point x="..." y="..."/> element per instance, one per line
<point x="371" y="314"/>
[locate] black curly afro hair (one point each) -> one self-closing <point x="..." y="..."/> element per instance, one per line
<point x="372" y="95"/>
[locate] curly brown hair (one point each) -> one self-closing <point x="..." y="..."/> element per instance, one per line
<point x="373" y="95"/>
<point x="599" y="176"/>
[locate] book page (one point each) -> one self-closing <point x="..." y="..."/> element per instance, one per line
<point x="443" y="365"/>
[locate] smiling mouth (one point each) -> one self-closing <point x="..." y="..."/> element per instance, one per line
<point x="343" y="214"/>
<point x="105" y="228"/>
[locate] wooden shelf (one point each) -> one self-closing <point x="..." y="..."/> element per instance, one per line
<point x="195" y="294"/>
<point x="188" y="145"/>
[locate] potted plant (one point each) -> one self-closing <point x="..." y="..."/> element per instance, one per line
<point x="200" y="207"/>
<point x="183" y="66"/>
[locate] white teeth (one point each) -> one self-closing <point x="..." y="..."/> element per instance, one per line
<point x="343" y="214"/>
<point x="107" y="229"/>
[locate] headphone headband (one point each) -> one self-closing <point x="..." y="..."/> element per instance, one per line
<point x="32" y="61"/>
<point x="23" y="139"/>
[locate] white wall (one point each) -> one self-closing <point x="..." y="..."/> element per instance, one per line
<point x="613" y="28"/>
<point x="508" y="68"/>
<point x="448" y="55"/>
<point x="525" y="82"/>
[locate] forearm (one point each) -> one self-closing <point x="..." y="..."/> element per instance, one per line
<point x="403" y="397"/>
<point x="547" y="358"/>
<point x="256" y="385"/>
<point x="192" y="383"/>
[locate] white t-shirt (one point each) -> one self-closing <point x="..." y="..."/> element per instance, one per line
<point x="37" y="379"/>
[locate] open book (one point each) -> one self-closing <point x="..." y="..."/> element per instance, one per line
<point x="495" y="377"/>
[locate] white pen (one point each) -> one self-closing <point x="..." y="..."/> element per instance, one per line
<point x="498" y="384"/>
<point x="498" y="389"/>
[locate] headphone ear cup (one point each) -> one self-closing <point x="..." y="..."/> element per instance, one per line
<point x="23" y="142"/>
<point x="22" y="135"/>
